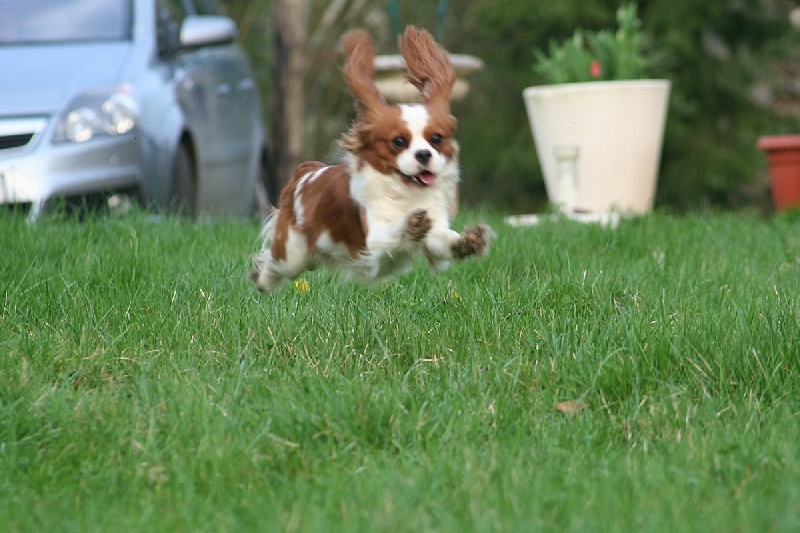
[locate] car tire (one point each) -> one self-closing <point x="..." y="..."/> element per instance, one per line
<point x="183" y="197"/>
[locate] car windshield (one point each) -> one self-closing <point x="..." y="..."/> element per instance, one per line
<point x="48" y="21"/>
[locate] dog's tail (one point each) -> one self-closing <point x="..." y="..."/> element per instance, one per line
<point x="263" y="259"/>
<point x="268" y="229"/>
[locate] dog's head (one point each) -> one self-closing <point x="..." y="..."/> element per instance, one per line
<point x="413" y="142"/>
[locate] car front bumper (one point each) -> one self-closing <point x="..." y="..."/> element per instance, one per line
<point x="40" y="171"/>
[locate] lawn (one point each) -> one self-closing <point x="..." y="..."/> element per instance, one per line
<point x="578" y="378"/>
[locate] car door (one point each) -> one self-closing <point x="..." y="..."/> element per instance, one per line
<point x="220" y="105"/>
<point x="233" y="106"/>
<point x="237" y="150"/>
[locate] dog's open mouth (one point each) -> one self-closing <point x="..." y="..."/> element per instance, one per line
<point x="426" y="178"/>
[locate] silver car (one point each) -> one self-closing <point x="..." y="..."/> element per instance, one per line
<point x="150" y="97"/>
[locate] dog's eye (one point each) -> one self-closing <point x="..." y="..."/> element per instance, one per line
<point x="400" y="142"/>
<point x="436" y="139"/>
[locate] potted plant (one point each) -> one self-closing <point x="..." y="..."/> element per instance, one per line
<point x="783" y="158"/>
<point x="598" y="123"/>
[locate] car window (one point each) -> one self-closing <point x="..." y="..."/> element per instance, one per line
<point x="47" y="21"/>
<point x="169" y="15"/>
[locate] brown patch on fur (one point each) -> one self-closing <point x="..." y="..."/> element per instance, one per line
<point x="286" y="215"/>
<point x="327" y="206"/>
<point x="429" y="67"/>
<point x="441" y="122"/>
<point x="359" y="73"/>
<point x="374" y="138"/>
<point x="474" y="241"/>
<point x="418" y="225"/>
<point x="352" y="40"/>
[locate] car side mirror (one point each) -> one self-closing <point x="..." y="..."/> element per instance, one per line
<point x="204" y="30"/>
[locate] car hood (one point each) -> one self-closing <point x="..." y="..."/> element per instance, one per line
<point x="41" y="79"/>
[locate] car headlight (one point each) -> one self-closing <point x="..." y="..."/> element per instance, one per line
<point x="97" y="114"/>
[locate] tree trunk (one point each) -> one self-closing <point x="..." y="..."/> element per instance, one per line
<point x="288" y="97"/>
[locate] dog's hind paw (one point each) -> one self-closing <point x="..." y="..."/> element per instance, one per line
<point x="474" y="241"/>
<point x="418" y="225"/>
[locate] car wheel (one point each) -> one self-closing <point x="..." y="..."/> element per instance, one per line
<point x="183" y="199"/>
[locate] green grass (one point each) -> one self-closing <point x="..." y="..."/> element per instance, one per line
<point x="144" y="386"/>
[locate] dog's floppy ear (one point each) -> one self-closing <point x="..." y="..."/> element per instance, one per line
<point x="429" y="67"/>
<point x="359" y="71"/>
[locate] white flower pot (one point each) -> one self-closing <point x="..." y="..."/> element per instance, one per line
<point x="599" y="143"/>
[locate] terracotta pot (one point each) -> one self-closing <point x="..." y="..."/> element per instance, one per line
<point x="783" y="157"/>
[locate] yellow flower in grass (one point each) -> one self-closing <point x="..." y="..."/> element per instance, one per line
<point x="300" y="286"/>
<point x="453" y="293"/>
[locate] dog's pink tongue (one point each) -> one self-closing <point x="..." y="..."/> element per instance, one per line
<point x="427" y="177"/>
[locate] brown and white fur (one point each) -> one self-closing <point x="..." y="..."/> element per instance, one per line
<point x="392" y="197"/>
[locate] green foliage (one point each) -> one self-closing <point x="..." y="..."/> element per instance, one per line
<point x="147" y="387"/>
<point x="621" y="53"/>
<point x="569" y="62"/>
<point x="597" y="56"/>
<point x="717" y="53"/>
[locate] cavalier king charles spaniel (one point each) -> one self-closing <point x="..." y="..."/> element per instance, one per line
<point x="392" y="197"/>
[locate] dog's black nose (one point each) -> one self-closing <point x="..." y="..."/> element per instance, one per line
<point x="423" y="156"/>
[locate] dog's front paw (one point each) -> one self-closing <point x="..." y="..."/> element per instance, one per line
<point x="474" y="241"/>
<point x="418" y="225"/>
